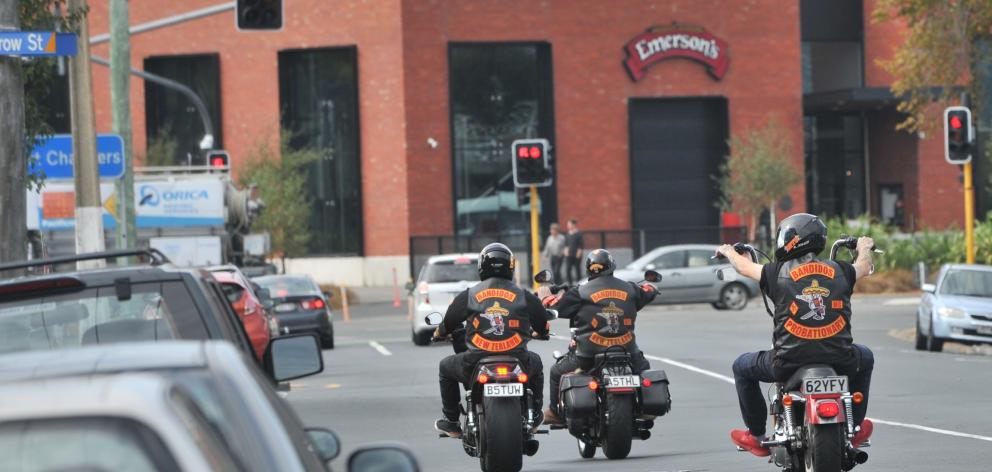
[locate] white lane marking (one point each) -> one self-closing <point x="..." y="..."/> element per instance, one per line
<point x="902" y="301"/>
<point x="730" y="380"/>
<point x="379" y="347"/>
<point x="933" y="430"/>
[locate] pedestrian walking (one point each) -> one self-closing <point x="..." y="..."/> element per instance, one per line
<point x="573" y="252"/>
<point x="554" y="250"/>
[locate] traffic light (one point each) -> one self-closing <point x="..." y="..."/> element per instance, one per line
<point x="530" y="163"/>
<point x="218" y="159"/>
<point x="259" y="14"/>
<point x="958" y="135"/>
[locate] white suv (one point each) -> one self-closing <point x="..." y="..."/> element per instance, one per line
<point x="440" y="279"/>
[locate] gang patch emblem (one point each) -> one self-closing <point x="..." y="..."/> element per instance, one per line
<point x="613" y="315"/>
<point x="495" y="316"/>
<point x="814" y="296"/>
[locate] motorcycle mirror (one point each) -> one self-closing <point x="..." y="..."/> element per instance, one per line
<point x="557" y="355"/>
<point x="433" y="319"/>
<point x="544" y="277"/>
<point x="652" y="276"/>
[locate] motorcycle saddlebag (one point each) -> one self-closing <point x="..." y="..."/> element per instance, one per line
<point x="578" y="400"/>
<point x="656" y="399"/>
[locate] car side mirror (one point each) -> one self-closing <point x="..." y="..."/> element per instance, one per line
<point x="292" y="357"/>
<point x="434" y="319"/>
<point x="544" y="277"/>
<point x="651" y="266"/>
<point x="929" y="288"/>
<point x="326" y="442"/>
<point x="652" y="276"/>
<point x="385" y="458"/>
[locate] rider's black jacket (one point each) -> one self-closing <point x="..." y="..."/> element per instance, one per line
<point x="498" y="316"/>
<point x="603" y="312"/>
<point x="812" y="310"/>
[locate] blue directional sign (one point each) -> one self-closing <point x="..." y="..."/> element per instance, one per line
<point x="37" y="43"/>
<point x="53" y="156"/>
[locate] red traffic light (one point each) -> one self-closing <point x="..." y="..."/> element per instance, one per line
<point x="535" y="152"/>
<point x="956" y="122"/>
<point x="218" y="159"/>
<point x="522" y="152"/>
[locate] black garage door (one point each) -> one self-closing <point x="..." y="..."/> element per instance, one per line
<point x="676" y="147"/>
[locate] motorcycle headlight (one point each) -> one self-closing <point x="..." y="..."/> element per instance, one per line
<point x="948" y="312"/>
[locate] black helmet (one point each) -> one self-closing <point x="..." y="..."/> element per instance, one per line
<point x="496" y="260"/>
<point x="798" y="235"/>
<point x="599" y="262"/>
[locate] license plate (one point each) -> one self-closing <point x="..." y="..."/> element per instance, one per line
<point x="504" y="390"/>
<point x="824" y="385"/>
<point x="984" y="330"/>
<point x="622" y="381"/>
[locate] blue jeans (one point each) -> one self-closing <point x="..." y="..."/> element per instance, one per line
<point x="754" y="367"/>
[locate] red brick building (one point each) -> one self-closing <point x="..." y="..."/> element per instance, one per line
<point x="416" y="102"/>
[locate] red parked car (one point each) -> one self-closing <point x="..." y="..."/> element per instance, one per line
<point x="258" y="323"/>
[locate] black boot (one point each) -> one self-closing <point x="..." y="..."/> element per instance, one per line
<point x="449" y="427"/>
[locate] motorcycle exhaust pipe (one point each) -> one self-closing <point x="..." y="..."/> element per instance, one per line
<point x="531" y="446"/>
<point x="645" y="424"/>
<point x="859" y="456"/>
<point x="645" y="434"/>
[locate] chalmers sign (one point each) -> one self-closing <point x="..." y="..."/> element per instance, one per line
<point x="676" y="40"/>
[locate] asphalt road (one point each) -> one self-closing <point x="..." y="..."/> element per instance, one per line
<point x="933" y="410"/>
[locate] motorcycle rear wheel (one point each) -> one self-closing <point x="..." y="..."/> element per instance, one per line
<point x="825" y="449"/>
<point x="586" y="450"/>
<point x="619" y="426"/>
<point x="501" y="435"/>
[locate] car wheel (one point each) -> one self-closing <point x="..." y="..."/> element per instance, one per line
<point x="327" y="339"/>
<point x="734" y="296"/>
<point x="719" y="305"/>
<point x="934" y="344"/>
<point x="921" y="341"/>
<point x="421" y="339"/>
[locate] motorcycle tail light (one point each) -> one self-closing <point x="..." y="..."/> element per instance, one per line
<point x="522" y="377"/>
<point x="787" y="400"/>
<point x="857" y="398"/>
<point x="502" y="371"/>
<point x="483" y="378"/>
<point x="593" y="385"/>
<point x="646" y="382"/>
<point x="827" y="409"/>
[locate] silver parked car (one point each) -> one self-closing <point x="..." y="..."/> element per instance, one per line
<point x="689" y="275"/>
<point x="957" y="308"/>
<point x="440" y="279"/>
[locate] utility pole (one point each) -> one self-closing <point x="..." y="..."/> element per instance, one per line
<point x="89" y="211"/>
<point x="13" y="165"/>
<point x="120" y="95"/>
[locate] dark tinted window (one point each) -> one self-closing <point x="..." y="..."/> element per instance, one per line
<point x="171" y="117"/>
<point x="318" y="96"/>
<point x="280" y="287"/>
<point x="90" y="444"/>
<point x="451" y="271"/>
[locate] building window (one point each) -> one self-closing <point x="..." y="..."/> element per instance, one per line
<point x="318" y="96"/>
<point x="835" y="164"/>
<point x="499" y="93"/>
<point x="173" y="126"/>
<point x="832" y="43"/>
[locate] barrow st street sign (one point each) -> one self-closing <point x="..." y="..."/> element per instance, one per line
<point x="37" y="43"/>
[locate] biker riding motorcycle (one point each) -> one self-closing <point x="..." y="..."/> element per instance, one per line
<point x="602" y="312"/>
<point x="812" y="319"/>
<point x="498" y="318"/>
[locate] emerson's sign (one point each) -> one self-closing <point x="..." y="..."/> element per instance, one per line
<point x="686" y="41"/>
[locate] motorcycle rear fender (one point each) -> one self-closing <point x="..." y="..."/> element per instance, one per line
<point x="813" y="418"/>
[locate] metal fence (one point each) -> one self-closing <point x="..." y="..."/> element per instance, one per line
<point x="625" y="245"/>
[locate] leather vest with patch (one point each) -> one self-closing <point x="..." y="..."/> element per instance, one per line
<point x="607" y="316"/>
<point x="812" y="313"/>
<point x="498" y="320"/>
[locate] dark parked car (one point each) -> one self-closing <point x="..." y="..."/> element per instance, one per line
<point x="146" y="302"/>
<point x="300" y="306"/>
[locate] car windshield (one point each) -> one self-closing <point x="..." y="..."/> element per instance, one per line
<point x="967" y="283"/>
<point x="451" y="271"/>
<point x="282" y="287"/>
<point x="96" y="316"/>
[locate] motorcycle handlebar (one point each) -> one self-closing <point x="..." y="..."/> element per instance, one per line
<point x="849" y="242"/>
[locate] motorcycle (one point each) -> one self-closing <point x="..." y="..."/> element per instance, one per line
<point x="610" y="405"/>
<point x="498" y="414"/>
<point x="813" y="411"/>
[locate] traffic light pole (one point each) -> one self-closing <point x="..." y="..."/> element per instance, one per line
<point x="969" y="213"/>
<point x="535" y="239"/>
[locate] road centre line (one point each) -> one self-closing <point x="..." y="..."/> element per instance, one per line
<point x="902" y="301"/>
<point x="379" y="347"/>
<point x="730" y="380"/>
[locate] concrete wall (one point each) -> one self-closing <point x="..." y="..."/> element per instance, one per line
<point x="352" y="271"/>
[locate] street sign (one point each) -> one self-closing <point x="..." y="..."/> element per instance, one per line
<point x="37" y="43"/>
<point x="53" y="156"/>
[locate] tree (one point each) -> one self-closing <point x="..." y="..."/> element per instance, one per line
<point x="758" y="172"/>
<point x="940" y="56"/>
<point x="281" y="184"/>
